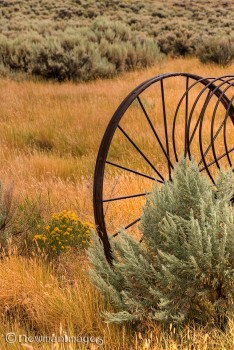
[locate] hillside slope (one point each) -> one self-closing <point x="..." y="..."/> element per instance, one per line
<point x="82" y="40"/>
<point x="155" y="17"/>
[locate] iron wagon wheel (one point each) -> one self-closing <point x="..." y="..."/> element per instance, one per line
<point x="163" y="118"/>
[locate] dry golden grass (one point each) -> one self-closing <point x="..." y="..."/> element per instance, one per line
<point x="50" y="134"/>
<point x="40" y="300"/>
<point x="37" y="299"/>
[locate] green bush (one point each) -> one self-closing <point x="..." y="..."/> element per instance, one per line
<point x="218" y="51"/>
<point x="62" y="232"/>
<point x="18" y="54"/>
<point x="177" y="43"/>
<point x="103" y="50"/>
<point x="183" y="270"/>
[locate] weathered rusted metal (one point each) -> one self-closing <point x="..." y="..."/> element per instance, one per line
<point x="218" y="90"/>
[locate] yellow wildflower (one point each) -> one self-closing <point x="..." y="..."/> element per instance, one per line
<point x="38" y="237"/>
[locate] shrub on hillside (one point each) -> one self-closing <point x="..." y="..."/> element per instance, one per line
<point x="183" y="270"/>
<point x="177" y="43"/>
<point x="103" y="50"/>
<point x="54" y="61"/>
<point x="218" y="51"/>
<point x="18" y="54"/>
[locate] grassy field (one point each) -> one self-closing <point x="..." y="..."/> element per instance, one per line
<point x="50" y="134"/>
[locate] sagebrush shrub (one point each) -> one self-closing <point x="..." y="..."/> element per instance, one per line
<point x="177" y="42"/>
<point x="184" y="269"/>
<point x="99" y="51"/>
<point x="62" y="232"/>
<point x="219" y="51"/>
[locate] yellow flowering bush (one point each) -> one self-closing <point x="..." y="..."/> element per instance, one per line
<point x="63" y="231"/>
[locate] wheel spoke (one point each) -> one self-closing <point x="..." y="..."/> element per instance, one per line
<point x="199" y="118"/>
<point x="165" y="129"/>
<point x="186" y="118"/>
<point x="218" y="131"/>
<point x="225" y="142"/>
<point x="133" y="171"/>
<point x="220" y="157"/>
<point x="126" y="197"/>
<point x="141" y="153"/>
<point x="213" y="140"/>
<point x="126" y="227"/>
<point x="154" y="131"/>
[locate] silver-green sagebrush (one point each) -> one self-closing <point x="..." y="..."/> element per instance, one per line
<point x="184" y="269"/>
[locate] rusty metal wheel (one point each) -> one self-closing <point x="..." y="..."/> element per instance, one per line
<point x="163" y="118"/>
